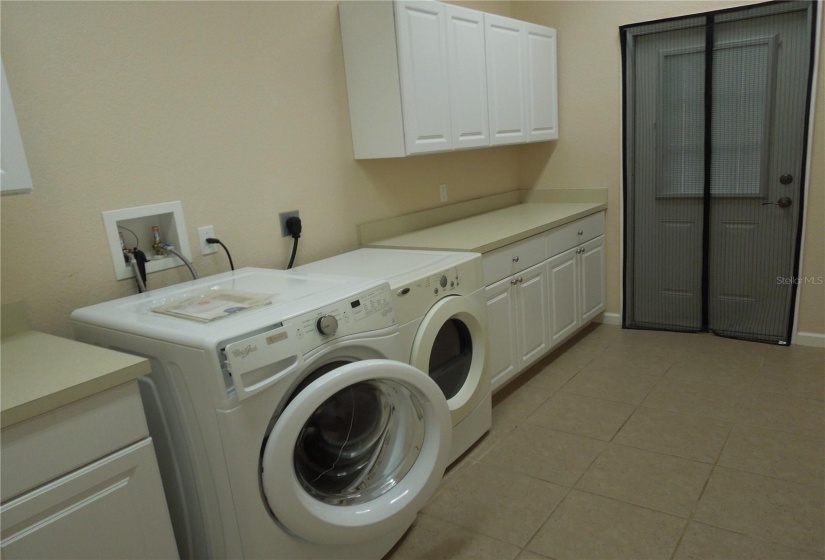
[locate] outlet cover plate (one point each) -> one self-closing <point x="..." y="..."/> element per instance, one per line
<point x="282" y="217"/>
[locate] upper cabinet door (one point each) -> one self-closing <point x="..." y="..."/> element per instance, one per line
<point x="542" y="88"/>
<point x="422" y="61"/>
<point x="506" y="79"/>
<point x="468" y="77"/>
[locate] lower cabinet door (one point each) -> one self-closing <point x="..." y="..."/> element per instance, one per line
<point x="563" y="294"/>
<point x="501" y="332"/>
<point x="591" y="267"/>
<point x="113" y="508"/>
<point x="532" y="314"/>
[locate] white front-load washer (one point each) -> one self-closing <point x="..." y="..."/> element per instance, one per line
<point x="441" y="308"/>
<point x="291" y="430"/>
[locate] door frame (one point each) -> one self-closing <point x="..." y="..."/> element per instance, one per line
<point x="626" y="32"/>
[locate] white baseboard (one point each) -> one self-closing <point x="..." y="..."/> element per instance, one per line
<point x="609" y="319"/>
<point x="809" y="339"/>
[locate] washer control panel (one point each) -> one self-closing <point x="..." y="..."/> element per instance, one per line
<point x="368" y="311"/>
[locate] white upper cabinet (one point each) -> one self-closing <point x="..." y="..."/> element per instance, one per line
<point x="521" y="81"/>
<point x="506" y="78"/>
<point x="424" y="76"/>
<point x="542" y="87"/>
<point x="422" y="63"/>
<point x="468" y="77"/>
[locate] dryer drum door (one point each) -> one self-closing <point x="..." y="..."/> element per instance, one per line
<point x="450" y="346"/>
<point x="357" y="452"/>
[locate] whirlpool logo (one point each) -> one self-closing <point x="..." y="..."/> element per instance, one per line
<point x="244" y="352"/>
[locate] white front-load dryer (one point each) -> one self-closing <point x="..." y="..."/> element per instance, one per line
<point x="291" y="430"/>
<point x="441" y="308"/>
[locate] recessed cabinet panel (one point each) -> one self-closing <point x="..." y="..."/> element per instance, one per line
<point x="506" y="80"/>
<point x="425" y="97"/>
<point x="533" y="314"/>
<point x="468" y="77"/>
<point x="542" y="90"/>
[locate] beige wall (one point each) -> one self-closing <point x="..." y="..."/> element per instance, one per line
<point x="238" y="109"/>
<point x="588" y="152"/>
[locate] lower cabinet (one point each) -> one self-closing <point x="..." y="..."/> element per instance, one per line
<point x="576" y="288"/>
<point x="82" y="482"/>
<point x="531" y="311"/>
<point x="518" y="335"/>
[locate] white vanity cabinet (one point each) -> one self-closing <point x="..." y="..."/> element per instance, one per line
<point x="418" y="78"/>
<point x="521" y="81"/>
<point x="82" y="482"/>
<point x="80" y="476"/>
<point x="533" y="302"/>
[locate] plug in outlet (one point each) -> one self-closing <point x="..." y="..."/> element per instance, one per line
<point x="442" y="191"/>
<point x="283" y="217"/>
<point x="203" y="233"/>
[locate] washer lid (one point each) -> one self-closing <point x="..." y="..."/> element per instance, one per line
<point x="357" y="453"/>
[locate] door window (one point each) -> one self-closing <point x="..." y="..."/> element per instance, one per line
<point x="451" y="357"/>
<point x="360" y="442"/>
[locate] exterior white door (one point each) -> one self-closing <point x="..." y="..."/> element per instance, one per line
<point x="506" y="80"/>
<point x="357" y="452"/>
<point x="542" y="87"/>
<point x="468" y="77"/>
<point x="423" y="68"/>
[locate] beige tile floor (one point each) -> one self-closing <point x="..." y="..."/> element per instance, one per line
<point x="640" y="444"/>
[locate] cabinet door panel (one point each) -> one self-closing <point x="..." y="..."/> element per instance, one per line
<point x="506" y="80"/>
<point x="592" y="278"/>
<point x="542" y="94"/>
<point x="501" y="349"/>
<point x="113" y="508"/>
<point x="422" y="61"/>
<point x="563" y="295"/>
<point x="468" y="77"/>
<point x="533" y="314"/>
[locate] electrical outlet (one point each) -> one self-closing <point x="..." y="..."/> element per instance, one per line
<point x="283" y="217"/>
<point x="203" y="233"/>
<point x="442" y="191"/>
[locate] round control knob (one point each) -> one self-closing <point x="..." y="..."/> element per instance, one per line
<point x="327" y="325"/>
<point x="443" y="281"/>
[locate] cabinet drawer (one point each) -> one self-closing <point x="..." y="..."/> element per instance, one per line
<point x="513" y="258"/>
<point x="565" y="237"/>
<point x="52" y="444"/>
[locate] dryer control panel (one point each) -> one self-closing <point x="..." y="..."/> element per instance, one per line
<point x="414" y="299"/>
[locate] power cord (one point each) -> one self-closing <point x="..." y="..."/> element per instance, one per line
<point x="213" y="240"/>
<point x="293" y="226"/>
<point x="137" y="260"/>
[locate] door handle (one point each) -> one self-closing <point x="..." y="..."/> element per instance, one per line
<point x="783" y="202"/>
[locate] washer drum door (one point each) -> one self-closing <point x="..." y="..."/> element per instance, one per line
<point x="357" y="453"/>
<point x="450" y="346"/>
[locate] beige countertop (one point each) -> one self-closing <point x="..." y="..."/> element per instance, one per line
<point x="490" y="230"/>
<point x="41" y="372"/>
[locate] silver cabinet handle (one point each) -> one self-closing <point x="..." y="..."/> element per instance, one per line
<point x="514" y="281"/>
<point x="515" y="259"/>
<point x="520" y="279"/>
<point x="581" y="232"/>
